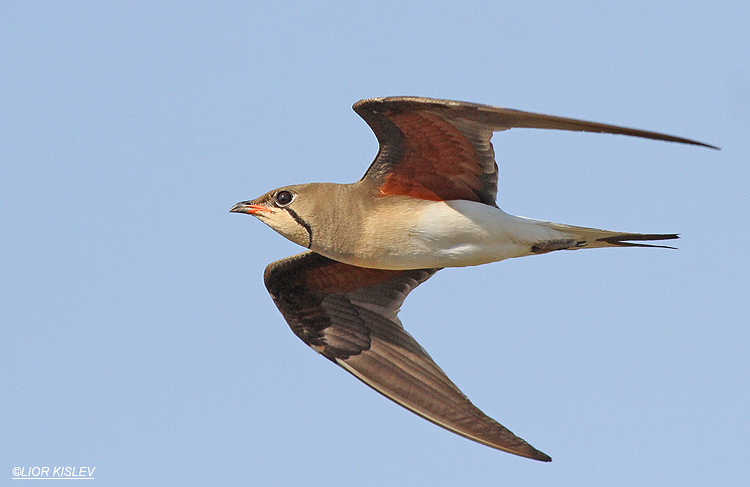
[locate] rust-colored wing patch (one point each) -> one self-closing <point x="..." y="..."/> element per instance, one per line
<point x="439" y="162"/>
<point x="337" y="277"/>
<point x="430" y="151"/>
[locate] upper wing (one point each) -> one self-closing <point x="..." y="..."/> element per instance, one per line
<point x="348" y="314"/>
<point x="441" y="150"/>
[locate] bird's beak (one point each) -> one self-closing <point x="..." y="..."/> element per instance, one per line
<point x="246" y="207"/>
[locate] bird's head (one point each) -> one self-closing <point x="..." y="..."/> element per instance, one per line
<point x="290" y="210"/>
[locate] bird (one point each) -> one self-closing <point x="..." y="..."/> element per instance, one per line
<point x="426" y="202"/>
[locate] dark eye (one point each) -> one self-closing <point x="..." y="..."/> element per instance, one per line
<point x="283" y="198"/>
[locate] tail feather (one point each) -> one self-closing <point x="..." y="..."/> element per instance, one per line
<point x="596" y="238"/>
<point x="625" y="239"/>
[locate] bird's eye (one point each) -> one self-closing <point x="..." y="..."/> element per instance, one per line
<point x="283" y="198"/>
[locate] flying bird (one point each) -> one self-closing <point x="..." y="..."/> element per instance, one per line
<point x="426" y="202"/>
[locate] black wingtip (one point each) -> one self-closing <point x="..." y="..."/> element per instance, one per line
<point x="702" y="144"/>
<point x="542" y="457"/>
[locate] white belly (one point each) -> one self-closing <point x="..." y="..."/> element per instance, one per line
<point x="455" y="233"/>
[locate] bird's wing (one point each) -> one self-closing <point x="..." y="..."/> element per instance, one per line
<point x="441" y="150"/>
<point x="348" y="314"/>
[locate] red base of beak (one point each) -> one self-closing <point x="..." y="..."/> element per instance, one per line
<point x="248" y="208"/>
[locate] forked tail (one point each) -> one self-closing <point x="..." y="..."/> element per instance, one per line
<point x="592" y="238"/>
<point x="627" y="240"/>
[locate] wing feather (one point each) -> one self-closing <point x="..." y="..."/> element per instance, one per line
<point x="349" y="314"/>
<point x="441" y="149"/>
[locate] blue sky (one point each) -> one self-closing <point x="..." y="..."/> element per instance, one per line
<point x="137" y="336"/>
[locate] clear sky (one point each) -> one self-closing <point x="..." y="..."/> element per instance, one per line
<point x="136" y="335"/>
